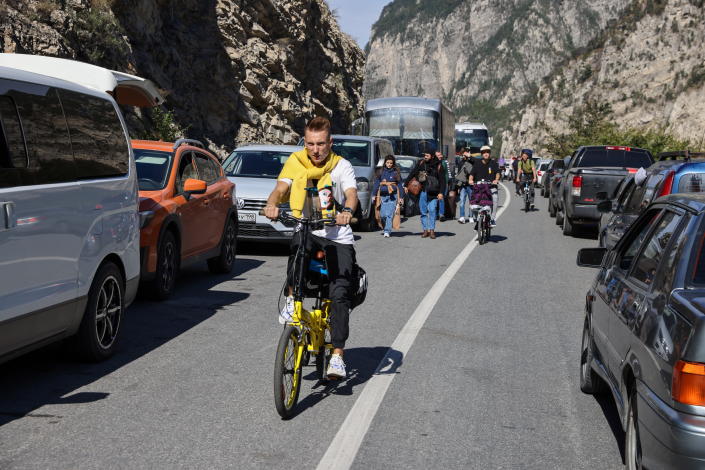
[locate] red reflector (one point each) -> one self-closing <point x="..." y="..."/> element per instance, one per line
<point x="632" y="170"/>
<point x="577" y="181"/>
<point x="668" y="184"/>
<point x="588" y="200"/>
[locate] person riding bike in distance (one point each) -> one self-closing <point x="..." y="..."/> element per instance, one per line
<point x="316" y="165"/>
<point x="527" y="169"/>
<point x="486" y="170"/>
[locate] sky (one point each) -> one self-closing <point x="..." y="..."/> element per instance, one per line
<point x="357" y="16"/>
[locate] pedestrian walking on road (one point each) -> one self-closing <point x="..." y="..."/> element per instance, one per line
<point x="429" y="172"/>
<point x="464" y="188"/>
<point x="389" y="194"/>
<point x="449" y="193"/>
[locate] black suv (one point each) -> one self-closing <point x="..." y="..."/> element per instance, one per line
<point x="644" y="333"/>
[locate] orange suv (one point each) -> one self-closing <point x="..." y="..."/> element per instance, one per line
<point x="186" y="212"/>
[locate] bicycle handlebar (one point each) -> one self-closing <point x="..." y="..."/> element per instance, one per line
<point x="489" y="183"/>
<point x="285" y="216"/>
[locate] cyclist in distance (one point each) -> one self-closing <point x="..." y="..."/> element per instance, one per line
<point x="487" y="170"/>
<point x="527" y="170"/>
<point x="317" y="165"/>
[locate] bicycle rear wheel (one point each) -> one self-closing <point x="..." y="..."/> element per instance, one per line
<point x="287" y="371"/>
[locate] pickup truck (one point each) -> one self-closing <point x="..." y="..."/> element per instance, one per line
<point x="593" y="169"/>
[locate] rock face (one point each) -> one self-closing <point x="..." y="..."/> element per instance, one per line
<point x="650" y="68"/>
<point x="233" y="71"/>
<point x="485" y="57"/>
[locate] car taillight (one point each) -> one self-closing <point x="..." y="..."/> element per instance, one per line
<point x="577" y="185"/>
<point x="667" y="184"/>
<point x="688" y="384"/>
<point x="632" y="170"/>
<point x="611" y="147"/>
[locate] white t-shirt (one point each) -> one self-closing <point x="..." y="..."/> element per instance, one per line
<point x="343" y="178"/>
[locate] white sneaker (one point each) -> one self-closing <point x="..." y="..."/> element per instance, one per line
<point x="471" y="219"/>
<point x="461" y="220"/>
<point x="336" y="367"/>
<point x="287" y="313"/>
<point x="386" y="235"/>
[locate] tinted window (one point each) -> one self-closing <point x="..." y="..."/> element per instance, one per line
<point x="636" y="239"/>
<point x="650" y="257"/>
<point x="207" y="170"/>
<point x="691" y="183"/>
<point x="186" y="171"/>
<point x="357" y="152"/>
<point x="618" y="158"/>
<point x="152" y="168"/>
<point x="99" y="145"/>
<point x="558" y="164"/>
<point x="634" y="203"/>
<point x="48" y="158"/>
<point x="13" y="152"/>
<point x="543" y="166"/>
<point x="251" y="164"/>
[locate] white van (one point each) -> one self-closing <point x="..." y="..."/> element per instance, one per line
<point x="69" y="226"/>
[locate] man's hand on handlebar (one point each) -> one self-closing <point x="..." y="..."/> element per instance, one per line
<point x="343" y="218"/>
<point x="271" y="212"/>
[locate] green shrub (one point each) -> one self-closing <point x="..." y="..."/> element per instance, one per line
<point x="161" y="125"/>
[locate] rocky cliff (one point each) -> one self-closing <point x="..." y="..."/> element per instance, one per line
<point x="233" y="71"/>
<point x="650" y="68"/>
<point x="485" y="57"/>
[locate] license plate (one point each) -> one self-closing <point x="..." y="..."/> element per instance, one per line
<point x="246" y="217"/>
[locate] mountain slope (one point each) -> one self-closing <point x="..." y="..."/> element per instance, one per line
<point x="233" y="70"/>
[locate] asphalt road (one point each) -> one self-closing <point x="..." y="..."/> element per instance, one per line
<point x="491" y="380"/>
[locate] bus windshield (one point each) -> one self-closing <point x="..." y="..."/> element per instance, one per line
<point x="410" y="130"/>
<point x="472" y="139"/>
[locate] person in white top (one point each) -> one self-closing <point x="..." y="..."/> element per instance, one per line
<point x="336" y="241"/>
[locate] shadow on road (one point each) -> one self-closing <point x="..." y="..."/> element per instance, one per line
<point x="361" y="364"/>
<point x="51" y="375"/>
<point x="609" y="409"/>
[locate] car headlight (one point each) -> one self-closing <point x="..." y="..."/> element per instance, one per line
<point x="145" y="218"/>
<point x="363" y="184"/>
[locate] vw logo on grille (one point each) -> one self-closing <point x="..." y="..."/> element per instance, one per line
<point x="240" y="203"/>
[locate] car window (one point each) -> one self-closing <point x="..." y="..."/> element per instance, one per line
<point x="357" y="152"/>
<point x="597" y="157"/>
<point x="543" y="166"/>
<point x="636" y="198"/>
<point x="186" y="171"/>
<point x="653" y="185"/>
<point x="625" y="195"/>
<point x="256" y="164"/>
<point x="99" y="145"/>
<point x="691" y="183"/>
<point x="650" y="257"/>
<point x="207" y="169"/>
<point x="152" y="168"/>
<point x="13" y="151"/>
<point x="636" y="238"/>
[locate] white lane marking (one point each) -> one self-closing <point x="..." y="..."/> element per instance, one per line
<point x="346" y="443"/>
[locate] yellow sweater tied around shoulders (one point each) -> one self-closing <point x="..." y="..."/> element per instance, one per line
<point x="300" y="170"/>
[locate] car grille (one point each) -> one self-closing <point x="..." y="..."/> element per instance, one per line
<point x="260" y="230"/>
<point x="254" y="204"/>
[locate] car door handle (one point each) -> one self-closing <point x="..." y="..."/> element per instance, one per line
<point x="8" y="217"/>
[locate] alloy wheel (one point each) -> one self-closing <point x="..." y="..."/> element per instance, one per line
<point x="168" y="266"/>
<point x="108" y="312"/>
<point x="230" y="244"/>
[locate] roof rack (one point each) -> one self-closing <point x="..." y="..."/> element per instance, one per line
<point x="686" y="154"/>
<point x="194" y="142"/>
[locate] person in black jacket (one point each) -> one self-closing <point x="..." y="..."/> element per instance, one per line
<point x="429" y="172"/>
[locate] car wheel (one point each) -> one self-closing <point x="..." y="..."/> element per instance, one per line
<point x="559" y="217"/>
<point x="567" y="226"/>
<point x="367" y="224"/>
<point x="100" y="325"/>
<point x="590" y="382"/>
<point x="551" y="208"/>
<point x="167" y="267"/>
<point x="224" y="262"/>
<point x="632" y="439"/>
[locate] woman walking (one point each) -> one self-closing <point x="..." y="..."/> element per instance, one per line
<point x="389" y="193"/>
<point x="429" y="173"/>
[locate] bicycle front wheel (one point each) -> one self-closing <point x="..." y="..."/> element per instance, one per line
<point x="287" y="371"/>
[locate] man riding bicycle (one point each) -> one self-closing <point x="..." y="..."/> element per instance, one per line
<point x="486" y="170"/>
<point x="526" y="170"/>
<point x="318" y="166"/>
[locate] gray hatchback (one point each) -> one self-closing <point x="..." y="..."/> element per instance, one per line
<point x="644" y="333"/>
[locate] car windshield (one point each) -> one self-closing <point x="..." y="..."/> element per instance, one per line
<point x="543" y="166"/>
<point x="614" y="158"/>
<point x="152" y="168"/>
<point x="472" y="139"/>
<point x="357" y="152"/>
<point x="255" y="164"/>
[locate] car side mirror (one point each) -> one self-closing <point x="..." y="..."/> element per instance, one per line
<point x="601" y="196"/>
<point x="194" y="186"/>
<point x="604" y="206"/>
<point x="591" y="257"/>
